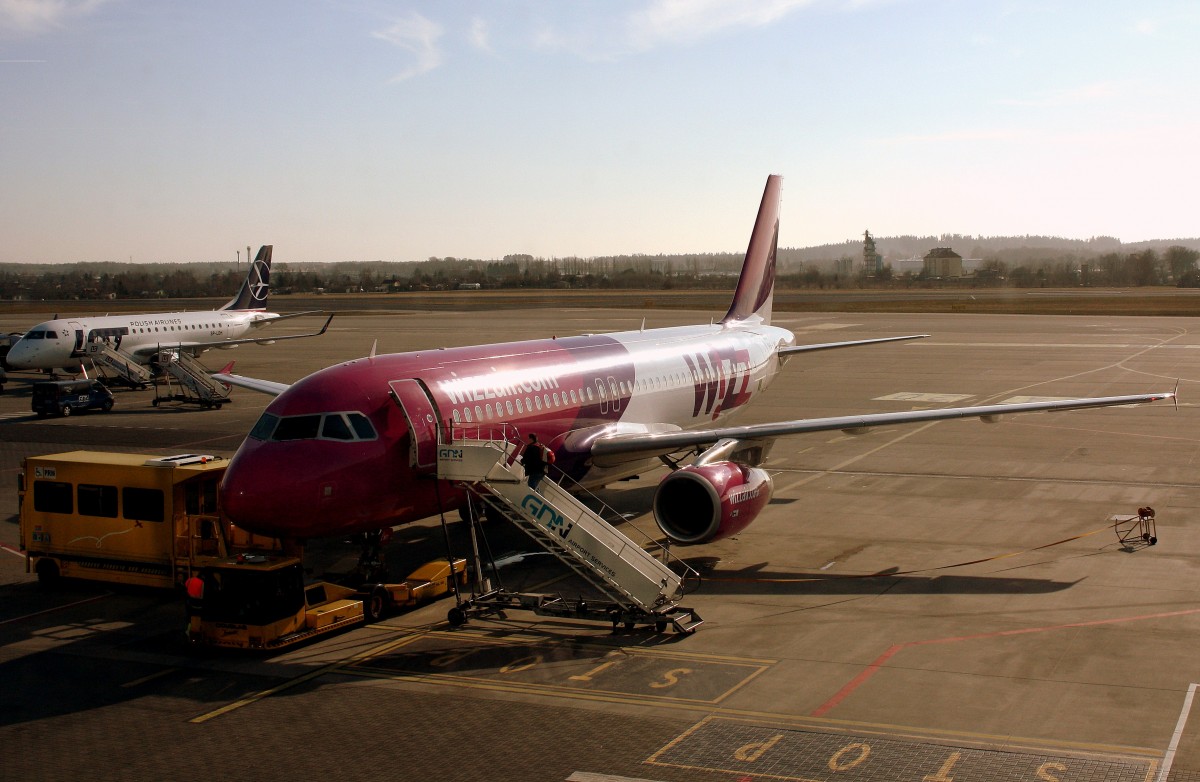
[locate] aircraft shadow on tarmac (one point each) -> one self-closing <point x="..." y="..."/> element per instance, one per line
<point x="758" y="580"/>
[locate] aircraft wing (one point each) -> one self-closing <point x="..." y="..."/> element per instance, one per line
<point x="262" y="386"/>
<point x="612" y="448"/>
<point x="790" y="350"/>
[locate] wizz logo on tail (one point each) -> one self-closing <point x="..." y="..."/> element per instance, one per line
<point x="720" y="379"/>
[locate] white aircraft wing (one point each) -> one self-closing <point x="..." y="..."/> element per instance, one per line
<point x="262" y="386"/>
<point x="639" y="445"/>
<point x="790" y="350"/>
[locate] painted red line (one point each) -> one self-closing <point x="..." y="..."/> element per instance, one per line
<point x="854" y="683"/>
<point x="56" y="608"/>
<point x="879" y="662"/>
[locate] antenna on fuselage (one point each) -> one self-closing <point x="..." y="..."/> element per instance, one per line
<point x="374" y="345"/>
<point x="643" y="324"/>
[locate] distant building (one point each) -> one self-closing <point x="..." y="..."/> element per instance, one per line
<point x="872" y="261"/>
<point x="943" y="262"/>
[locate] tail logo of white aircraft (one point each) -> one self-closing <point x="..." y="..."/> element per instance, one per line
<point x="258" y="288"/>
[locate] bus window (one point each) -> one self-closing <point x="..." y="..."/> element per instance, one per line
<point x="97" y="500"/>
<point x="52" y="497"/>
<point x="142" y="504"/>
<point x="200" y="496"/>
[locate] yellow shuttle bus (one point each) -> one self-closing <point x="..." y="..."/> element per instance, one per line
<point x="124" y="518"/>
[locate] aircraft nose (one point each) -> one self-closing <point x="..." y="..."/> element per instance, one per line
<point x="19" y="355"/>
<point x="261" y="496"/>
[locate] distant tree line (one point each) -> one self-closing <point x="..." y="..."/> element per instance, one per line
<point x="1019" y="266"/>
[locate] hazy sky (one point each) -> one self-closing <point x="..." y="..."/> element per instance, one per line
<point x="371" y="130"/>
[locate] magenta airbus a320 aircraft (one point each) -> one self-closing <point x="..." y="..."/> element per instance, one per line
<point x="352" y="448"/>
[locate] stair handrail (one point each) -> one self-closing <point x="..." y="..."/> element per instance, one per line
<point x="509" y="434"/>
<point x="503" y="505"/>
<point x="610" y="515"/>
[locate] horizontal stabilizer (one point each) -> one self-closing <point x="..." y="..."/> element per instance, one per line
<point x="792" y="349"/>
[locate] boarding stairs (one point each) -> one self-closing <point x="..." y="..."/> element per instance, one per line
<point x="638" y="587"/>
<point x="111" y="360"/>
<point x="197" y="384"/>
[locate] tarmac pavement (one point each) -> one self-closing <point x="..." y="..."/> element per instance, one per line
<point x="941" y="601"/>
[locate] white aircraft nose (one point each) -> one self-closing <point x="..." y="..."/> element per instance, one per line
<point x="20" y="355"/>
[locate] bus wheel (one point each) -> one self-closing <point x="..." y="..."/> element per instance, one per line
<point x="377" y="602"/>
<point x="66" y="410"/>
<point x="47" y="573"/>
<point x="108" y="404"/>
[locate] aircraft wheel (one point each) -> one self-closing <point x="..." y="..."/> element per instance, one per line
<point x="218" y="405"/>
<point x="660" y="627"/>
<point x="154" y="402"/>
<point x="66" y="410"/>
<point x="48" y="573"/>
<point x="1153" y="540"/>
<point x="376" y="605"/>
<point x="456" y="617"/>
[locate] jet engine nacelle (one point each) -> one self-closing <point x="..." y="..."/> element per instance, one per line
<point x="699" y="503"/>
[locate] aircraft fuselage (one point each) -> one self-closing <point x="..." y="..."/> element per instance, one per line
<point x="567" y="391"/>
<point x="63" y="342"/>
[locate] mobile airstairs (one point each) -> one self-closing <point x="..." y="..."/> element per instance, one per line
<point x="119" y="364"/>
<point x="636" y="585"/>
<point x="196" y="385"/>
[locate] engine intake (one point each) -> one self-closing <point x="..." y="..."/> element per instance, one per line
<point x="700" y="503"/>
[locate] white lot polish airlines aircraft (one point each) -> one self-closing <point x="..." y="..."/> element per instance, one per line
<point x="62" y="343"/>
<point x="335" y="453"/>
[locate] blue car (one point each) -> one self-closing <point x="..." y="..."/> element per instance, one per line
<point x="63" y="397"/>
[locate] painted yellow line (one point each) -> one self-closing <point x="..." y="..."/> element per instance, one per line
<point x="784" y="720"/>
<point x="57" y="608"/>
<point x="150" y="678"/>
<point x="325" y="669"/>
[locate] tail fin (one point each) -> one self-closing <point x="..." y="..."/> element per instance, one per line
<point x="253" y="294"/>
<point x="756" y="286"/>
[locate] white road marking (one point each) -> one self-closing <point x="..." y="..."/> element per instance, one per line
<point x="1169" y="758"/>
<point x="917" y="396"/>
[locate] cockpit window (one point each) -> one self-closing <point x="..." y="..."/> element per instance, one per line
<point x="362" y="426"/>
<point x="265" y="426"/>
<point x="298" y="427"/>
<point x="51" y="334"/>
<point x="330" y="426"/>
<point x="336" y="428"/>
<point x="35" y="335"/>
